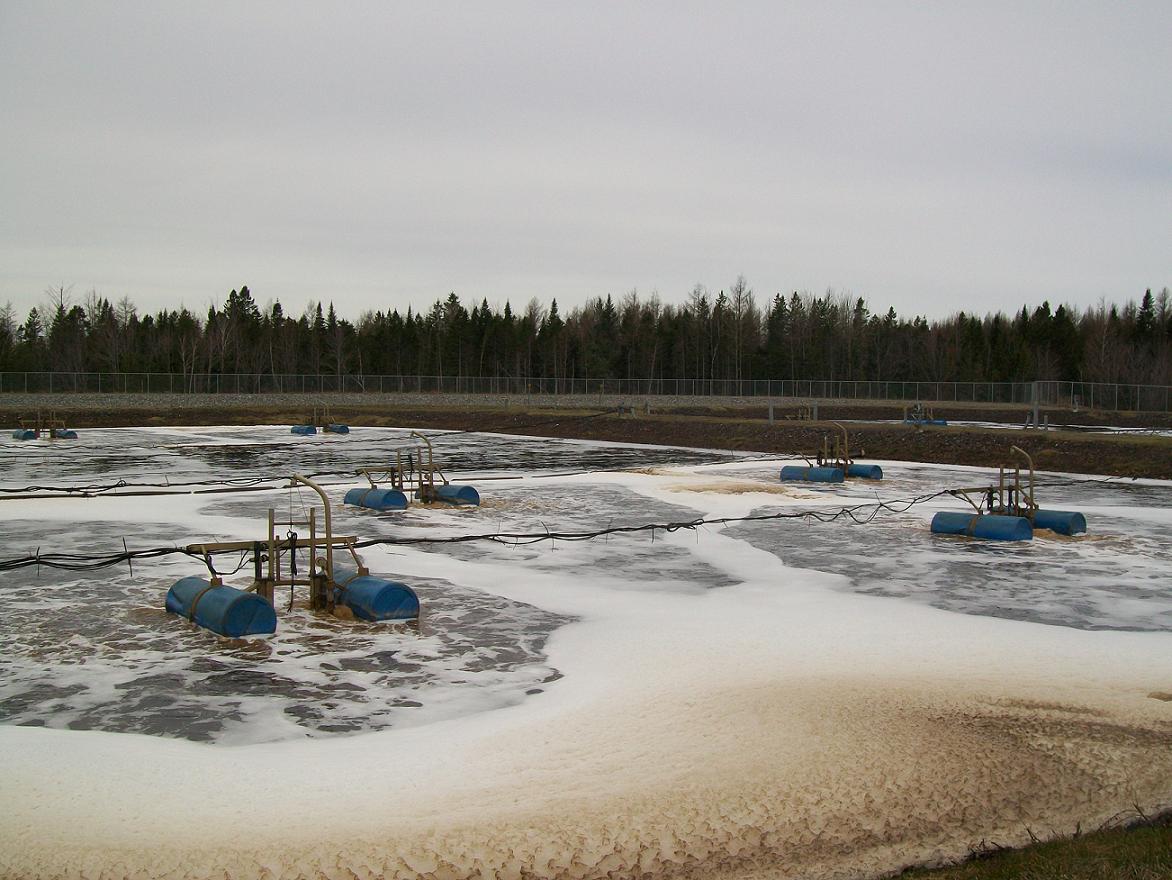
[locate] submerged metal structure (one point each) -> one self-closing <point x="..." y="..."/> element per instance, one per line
<point x="414" y="475"/>
<point x="51" y="425"/>
<point x="833" y="463"/>
<point x="237" y="612"/>
<point x="918" y="414"/>
<point x="1007" y="511"/>
<point x="320" y="419"/>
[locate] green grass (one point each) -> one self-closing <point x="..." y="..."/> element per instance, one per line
<point x="1137" y="853"/>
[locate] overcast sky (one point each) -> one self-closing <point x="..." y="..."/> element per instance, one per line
<point x="930" y="156"/>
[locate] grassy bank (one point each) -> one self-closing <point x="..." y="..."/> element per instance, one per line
<point x="1142" y="852"/>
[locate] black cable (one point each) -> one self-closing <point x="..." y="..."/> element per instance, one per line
<point x="257" y="484"/>
<point x="85" y="562"/>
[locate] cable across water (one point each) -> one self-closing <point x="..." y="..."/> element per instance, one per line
<point x="859" y="514"/>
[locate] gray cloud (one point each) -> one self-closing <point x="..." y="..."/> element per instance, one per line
<point x="923" y="156"/>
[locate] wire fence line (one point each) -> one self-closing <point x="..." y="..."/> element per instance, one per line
<point x="1075" y="395"/>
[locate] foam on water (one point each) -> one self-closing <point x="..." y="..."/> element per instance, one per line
<point x="734" y="701"/>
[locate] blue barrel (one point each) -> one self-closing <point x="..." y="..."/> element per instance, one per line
<point x="980" y="525"/>
<point x="925" y="421"/>
<point x="66" y="434"/>
<point x="450" y="494"/>
<point x="338" y="429"/>
<point x="1064" y="522"/>
<point x="377" y="499"/>
<point x="224" y="610"/>
<point x="374" y="598"/>
<point x="811" y="474"/>
<point x="303" y="429"/>
<point x="865" y="471"/>
<point x="24" y="434"/>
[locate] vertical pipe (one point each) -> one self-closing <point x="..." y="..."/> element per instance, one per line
<point x="329" y="524"/>
<point x="274" y="560"/>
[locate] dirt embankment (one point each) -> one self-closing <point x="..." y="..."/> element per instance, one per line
<point x="1114" y="455"/>
<point x="743" y="428"/>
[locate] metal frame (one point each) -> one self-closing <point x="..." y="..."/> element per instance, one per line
<point x="321" y="418"/>
<point x="41" y="424"/>
<point x="1010" y="497"/>
<point x="268" y="571"/>
<point x="404" y="476"/>
<point x="841" y="456"/>
<point x="917" y="412"/>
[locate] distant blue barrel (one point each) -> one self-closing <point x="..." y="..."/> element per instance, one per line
<point x="1064" y="522"/>
<point x="925" y="421"/>
<point x="224" y="610"/>
<point x="303" y="429"/>
<point x="979" y="525"/>
<point x="377" y="499"/>
<point x="450" y="494"/>
<point x="374" y="598"/>
<point x="338" y="429"/>
<point x="24" y="434"/>
<point x="66" y="434"/>
<point x="865" y="471"/>
<point x="811" y="474"/>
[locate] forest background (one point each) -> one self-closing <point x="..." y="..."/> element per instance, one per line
<point x="722" y="335"/>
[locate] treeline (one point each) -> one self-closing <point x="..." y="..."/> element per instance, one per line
<point x="722" y="335"/>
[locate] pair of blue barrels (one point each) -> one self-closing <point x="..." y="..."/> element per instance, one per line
<point x="31" y="434"/>
<point x="801" y="473"/>
<point x="394" y="499"/>
<point x="305" y="430"/>
<point x="237" y="613"/>
<point x="997" y="527"/>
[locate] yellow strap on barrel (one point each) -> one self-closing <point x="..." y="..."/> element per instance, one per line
<point x="195" y="601"/>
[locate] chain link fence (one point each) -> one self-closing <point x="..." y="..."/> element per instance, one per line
<point x="1074" y="395"/>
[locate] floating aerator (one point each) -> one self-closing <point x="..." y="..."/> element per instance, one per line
<point x="918" y="414"/>
<point x="1007" y="511"/>
<point x="811" y="474"/>
<point x="224" y="610"/>
<point x="836" y="459"/>
<point x="377" y="499"/>
<point x="415" y="476"/>
<point x="977" y="525"/>
<point x="320" y="419"/>
<point x="51" y="426"/>
<point x="373" y="598"/>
